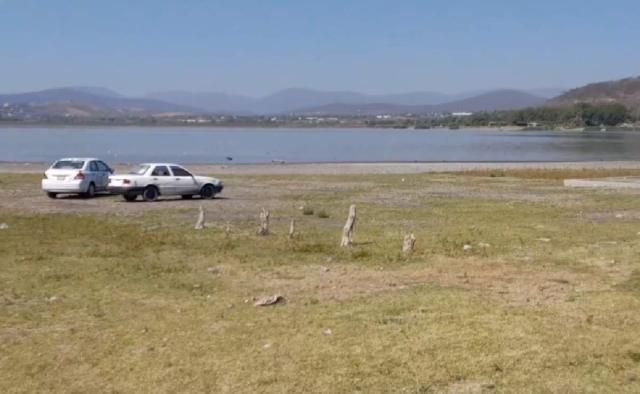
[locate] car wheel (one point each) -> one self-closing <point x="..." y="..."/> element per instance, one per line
<point x="187" y="197"/>
<point x="91" y="191"/>
<point x="150" y="194"/>
<point x="130" y="197"/>
<point x="52" y="195"/>
<point x="207" y="192"/>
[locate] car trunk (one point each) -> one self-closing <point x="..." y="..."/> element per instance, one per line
<point x="62" y="175"/>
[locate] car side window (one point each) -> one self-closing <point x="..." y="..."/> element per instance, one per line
<point x="160" y="171"/>
<point x="179" y="171"/>
<point x="102" y="167"/>
<point x="93" y="167"/>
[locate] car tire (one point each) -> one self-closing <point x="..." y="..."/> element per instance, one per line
<point x="207" y="192"/>
<point x="52" y="195"/>
<point x="91" y="191"/>
<point x="130" y="197"/>
<point x="150" y="194"/>
<point x="187" y="196"/>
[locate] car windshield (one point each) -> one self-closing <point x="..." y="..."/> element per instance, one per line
<point x="140" y="170"/>
<point x="68" y="164"/>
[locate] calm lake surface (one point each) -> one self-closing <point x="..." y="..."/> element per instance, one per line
<point x="214" y="145"/>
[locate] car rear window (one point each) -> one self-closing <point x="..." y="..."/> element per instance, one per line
<point x="68" y="164"/>
<point x="140" y="170"/>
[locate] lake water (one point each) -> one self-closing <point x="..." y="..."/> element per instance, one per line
<point x="214" y="145"/>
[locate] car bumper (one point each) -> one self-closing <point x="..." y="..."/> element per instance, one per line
<point x="79" y="186"/>
<point x="132" y="191"/>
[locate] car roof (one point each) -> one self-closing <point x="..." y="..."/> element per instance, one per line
<point x="161" y="164"/>
<point x="78" y="159"/>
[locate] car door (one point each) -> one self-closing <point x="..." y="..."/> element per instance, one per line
<point x="185" y="182"/>
<point x="102" y="176"/>
<point x="162" y="178"/>
<point x="91" y="174"/>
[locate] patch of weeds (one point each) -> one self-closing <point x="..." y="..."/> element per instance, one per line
<point x="632" y="284"/>
<point x="313" y="248"/>
<point x="360" y="254"/>
<point x="308" y="210"/>
<point x="322" y="214"/>
<point x="634" y="356"/>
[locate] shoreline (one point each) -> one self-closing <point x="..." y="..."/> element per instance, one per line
<point x="378" y="168"/>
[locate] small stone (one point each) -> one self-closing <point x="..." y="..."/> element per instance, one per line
<point x="196" y="286"/>
<point x="246" y="301"/>
<point x="325" y="269"/>
<point x="619" y="216"/>
<point x="230" y="306"/>
<point x="52" y="299"/>
<point x="4" y="226"/>
<point x="144" y="331"/>
<point x="213" y="270"/>
<point x="467" y="247"/>
<point x="267" y="346"/>
<point x="483" y="245"/>
<point x="328" y="331"/>
<point x="544" y="240"/>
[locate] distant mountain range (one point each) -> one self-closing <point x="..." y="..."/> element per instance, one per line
<point x="301" y="100"/>
<point x="625" y="91"/>
<point x="288" y="101"/>
<point x="492" y="101"/>
<point x="97" y="97"/>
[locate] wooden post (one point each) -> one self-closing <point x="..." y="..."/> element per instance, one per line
<point x="264" y="222"/>
<point x="347" y="231"/>
<point x="200" y="223"/>
<point x="292" y="229"/>
<point x="408" y="244"/>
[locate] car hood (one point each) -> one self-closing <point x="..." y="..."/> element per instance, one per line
<point x="208" y="179"/>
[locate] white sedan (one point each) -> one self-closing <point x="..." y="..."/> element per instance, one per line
<point x="84" y="176"/>
<point x="163" y="179"/>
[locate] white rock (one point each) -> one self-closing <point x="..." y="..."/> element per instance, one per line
<point x="619" y="216"/>
<point x="467" y="247"/>
<point x="544" y="240"/>
<point x="483" y="245"/>
<point x="328" y="331"/>
<point x="267" y="346"/>
<point x="4" y="226"/>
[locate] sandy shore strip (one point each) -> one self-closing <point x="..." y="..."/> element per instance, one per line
<point x="351" y="168"/>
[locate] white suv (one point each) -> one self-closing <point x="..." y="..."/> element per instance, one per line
<point x="84" y="176"/>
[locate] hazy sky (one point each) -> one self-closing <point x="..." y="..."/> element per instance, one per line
<point x="256" y="47"/>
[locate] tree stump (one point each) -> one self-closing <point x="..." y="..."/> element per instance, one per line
<point x="347" y="231"/>
<point x="200" y="223"/>
<point x="408" y="244"/>
<point x="292" y="229"/>
<point x="264" y="222"/>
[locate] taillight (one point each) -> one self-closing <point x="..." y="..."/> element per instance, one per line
<point x="126" y="182"/>
<point x="79" y="175"/>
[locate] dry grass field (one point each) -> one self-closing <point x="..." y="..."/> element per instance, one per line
<point x="106" y="296"/>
